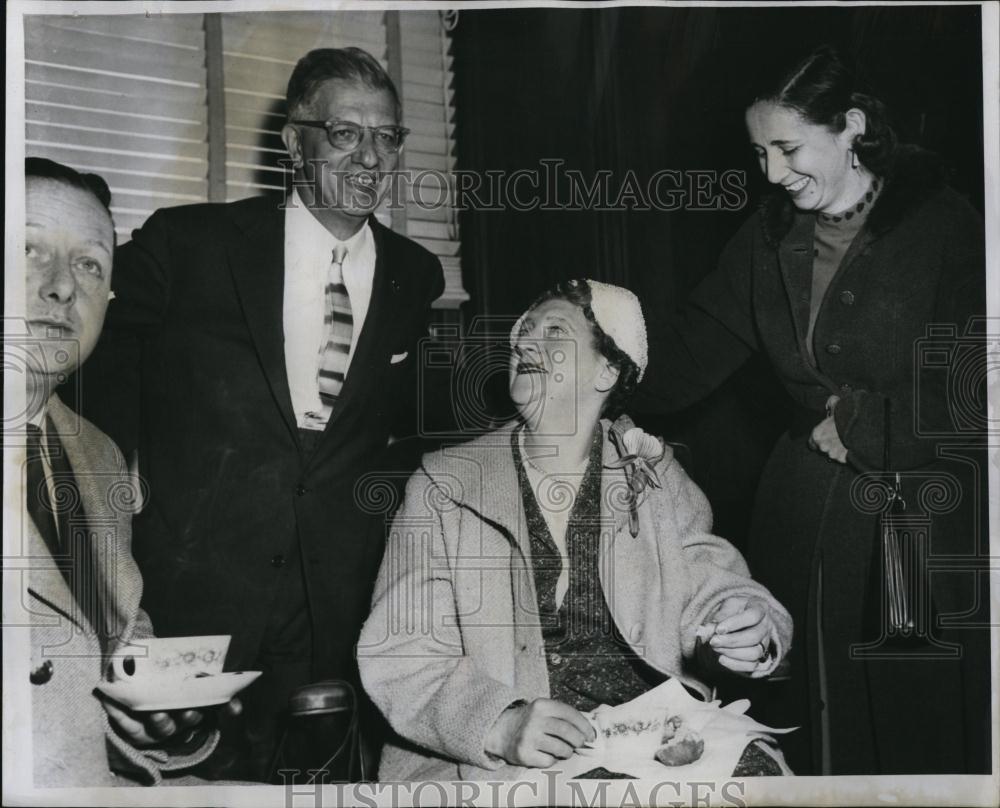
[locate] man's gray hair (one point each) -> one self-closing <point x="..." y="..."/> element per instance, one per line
<point x="324" y="64"/>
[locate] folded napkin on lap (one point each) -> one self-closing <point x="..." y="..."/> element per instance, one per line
<point x="694" y="739"/>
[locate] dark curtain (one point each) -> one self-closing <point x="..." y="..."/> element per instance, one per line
<point x="632" y="91"/>
<point x="642" y="89"/>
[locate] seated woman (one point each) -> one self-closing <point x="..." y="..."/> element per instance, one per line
<point x="560" y="562"/>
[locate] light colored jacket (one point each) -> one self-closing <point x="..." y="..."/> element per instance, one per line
<point x="71" y="736"/>
<point x="454" y="637"/>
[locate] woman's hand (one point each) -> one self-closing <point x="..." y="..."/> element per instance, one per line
<point x="743" y="636"/>
<point x="538" y="734"/>
<point x="825" y="438"/>
<point x="143" y="729"/>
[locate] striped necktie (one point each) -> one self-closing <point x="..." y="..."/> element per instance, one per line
<point x="339" y="326"/>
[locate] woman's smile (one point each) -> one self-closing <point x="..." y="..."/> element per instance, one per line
<point x="797" y="186"/>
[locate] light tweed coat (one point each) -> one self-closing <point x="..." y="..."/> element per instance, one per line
<point x="71" y="736"/>
<point x="454" y="637"/>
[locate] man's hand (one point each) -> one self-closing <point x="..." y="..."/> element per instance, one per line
<point x="742" y="637"/>
<point x="825" y="438"/>
<point x="144" y="729"/>
<point x="538" y="734"/>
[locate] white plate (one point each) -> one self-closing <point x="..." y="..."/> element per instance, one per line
<point x="170" y="694"/>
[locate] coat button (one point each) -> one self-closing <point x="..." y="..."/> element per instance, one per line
<point x="833" y="348"/>
<point x="278" y="561"/>
<point x="41" y="674"/>
<point x="555" y="659"/>
<point x="847" y="298"/>
<point x="300" y="490"/>
<point x="845" y="388"/>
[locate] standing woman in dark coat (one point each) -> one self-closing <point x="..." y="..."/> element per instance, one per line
<point x="836" y="279"/>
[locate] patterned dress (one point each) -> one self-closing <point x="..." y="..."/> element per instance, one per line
<point x="589" y="662"/>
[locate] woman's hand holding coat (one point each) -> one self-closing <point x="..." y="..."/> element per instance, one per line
<point x="825" y="438"/>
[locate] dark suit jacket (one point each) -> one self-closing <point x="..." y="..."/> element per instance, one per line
<point x="191" y="370"/>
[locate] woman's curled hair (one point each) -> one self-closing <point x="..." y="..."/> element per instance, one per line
<point x="821" y="88"/>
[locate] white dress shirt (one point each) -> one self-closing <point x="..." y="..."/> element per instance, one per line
<point x="308" y="255"/>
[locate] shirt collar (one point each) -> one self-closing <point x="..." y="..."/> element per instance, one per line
<point x="38" y="418"/>
<point x="306" y="229"/>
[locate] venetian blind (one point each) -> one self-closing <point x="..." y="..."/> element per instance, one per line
<point x="127" y="96"/>
<point x="428" y="110"/>
<point x="260" y="51"/>
<point x="123" y="96"/>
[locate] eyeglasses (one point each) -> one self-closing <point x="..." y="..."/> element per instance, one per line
<point x="347" y="135"/>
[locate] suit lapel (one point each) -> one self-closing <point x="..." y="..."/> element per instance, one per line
<point x="795" y="258"/>
<point x="614" y="487"/>
<point x="489" y="488"/>
<point x="104" y="494"/>
<point x="492" y="491"/>
<point x="374" y="343"/>
<point x="257" y="262"/>
<point x="489" y="484"/>
<point x="46" y="582"/>
<point x="859" y="247"/>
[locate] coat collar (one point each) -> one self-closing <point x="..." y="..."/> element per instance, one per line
<point x="913" y="176"/>
<point x="104" y="492"/>
<point x="383" y="312"/>
<point x="795" y="257"/>
<point x="46" y="579"/>
<point x="391" y="292"/>
<point x="486" y="483"/>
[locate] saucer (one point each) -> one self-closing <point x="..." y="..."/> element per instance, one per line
<point x="166" y="693"/>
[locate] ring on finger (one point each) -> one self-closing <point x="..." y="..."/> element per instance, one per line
<point x="763" y="652"/>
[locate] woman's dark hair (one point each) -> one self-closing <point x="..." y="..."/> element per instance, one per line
<point x="821" y="88"/>
<point x="578" y="293"/>
<point x="51" y="170"/>
<point x="325" y="64"/>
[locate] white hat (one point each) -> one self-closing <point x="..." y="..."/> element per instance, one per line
<point x="619" y="315"/>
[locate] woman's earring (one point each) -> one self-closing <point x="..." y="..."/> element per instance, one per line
<point x="854" y="159"/>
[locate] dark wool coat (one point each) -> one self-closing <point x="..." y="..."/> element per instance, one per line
<point x="895" y="325"/>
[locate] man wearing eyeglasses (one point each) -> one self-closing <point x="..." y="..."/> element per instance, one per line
<point x="278" y="340"/>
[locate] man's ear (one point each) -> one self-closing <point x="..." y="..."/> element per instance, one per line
<point x="607" y="376"/>
<point x="291" y="138"/>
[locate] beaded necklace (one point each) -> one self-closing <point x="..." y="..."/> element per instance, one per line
<point x="870" y="195"/>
